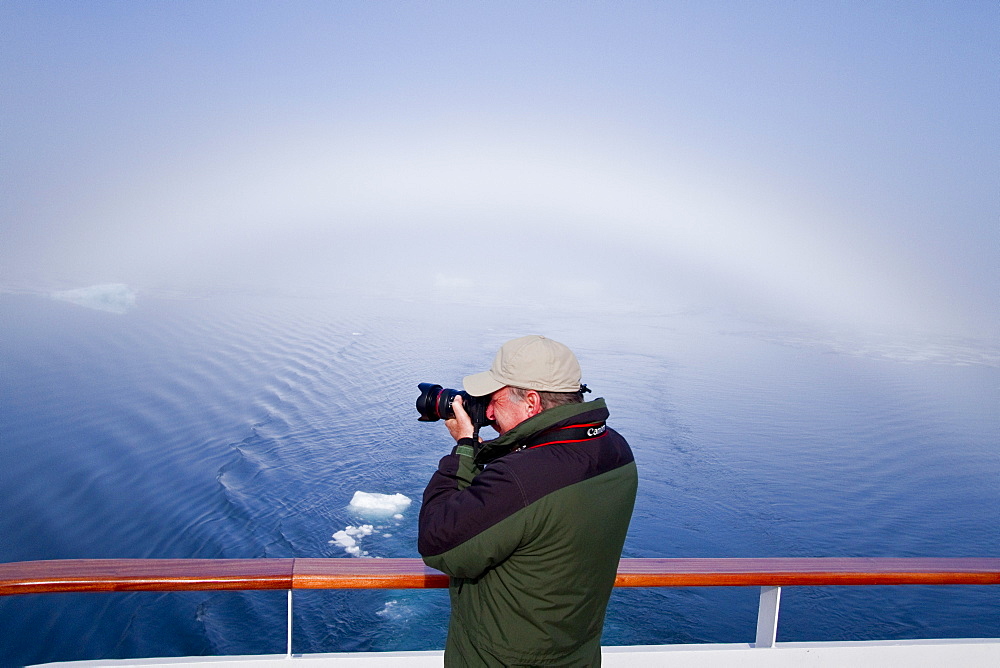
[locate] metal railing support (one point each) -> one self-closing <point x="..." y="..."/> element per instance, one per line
<point x="289" y="644"/>
<point x="767" y="616"/>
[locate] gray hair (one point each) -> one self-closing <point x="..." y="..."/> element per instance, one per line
<point x="549" y="399"/>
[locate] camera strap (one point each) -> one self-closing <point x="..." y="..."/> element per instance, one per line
<point x="573" y="433"/>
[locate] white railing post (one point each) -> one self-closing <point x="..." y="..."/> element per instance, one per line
<point x="289" y="645"/>
<point x="767" y="616"/>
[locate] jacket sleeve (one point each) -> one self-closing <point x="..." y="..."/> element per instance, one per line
<point x="469" y="523"/>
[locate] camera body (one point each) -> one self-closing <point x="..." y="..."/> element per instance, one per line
<point x="435" y="403"/>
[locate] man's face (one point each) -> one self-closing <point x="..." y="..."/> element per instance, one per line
<point x="507" y="411"/>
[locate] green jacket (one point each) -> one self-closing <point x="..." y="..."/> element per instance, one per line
<point x="530" y="528"/>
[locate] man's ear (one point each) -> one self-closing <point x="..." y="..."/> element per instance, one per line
<point x="533" y="400"/>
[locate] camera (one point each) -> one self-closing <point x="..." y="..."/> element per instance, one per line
<point x="435" y="403"/>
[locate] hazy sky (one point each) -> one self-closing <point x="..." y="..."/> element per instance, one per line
<point x="837" y="161"/>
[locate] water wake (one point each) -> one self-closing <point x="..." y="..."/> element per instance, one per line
<point x="110" y="297"/>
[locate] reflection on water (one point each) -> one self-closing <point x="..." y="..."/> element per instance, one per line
<point x="243" y="427"/>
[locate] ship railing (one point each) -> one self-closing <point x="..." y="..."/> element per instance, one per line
<point x="770" y="574"/>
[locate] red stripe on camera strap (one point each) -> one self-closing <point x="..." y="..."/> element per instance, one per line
<point x="574" y="433"/>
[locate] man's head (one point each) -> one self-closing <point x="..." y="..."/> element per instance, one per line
<point x="529" y="375"/>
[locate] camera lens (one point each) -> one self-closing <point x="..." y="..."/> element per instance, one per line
<point x="435" y="403"/>
<point x="427" y="402"/>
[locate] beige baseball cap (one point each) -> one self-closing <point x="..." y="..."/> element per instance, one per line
<point x="531" y="363"/>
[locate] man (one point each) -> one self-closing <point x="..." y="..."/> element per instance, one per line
<point x="529" y="526"/>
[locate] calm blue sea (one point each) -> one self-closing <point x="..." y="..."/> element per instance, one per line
<point x="241" y="426"/>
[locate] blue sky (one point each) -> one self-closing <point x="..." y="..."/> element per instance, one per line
<point x="834" y="161"/>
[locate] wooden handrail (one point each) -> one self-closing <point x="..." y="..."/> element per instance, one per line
<point x="783" y="571"/>
<point x="366" y="574"/>
<point x="104" y="575"/>
<point x="96" y="575"/>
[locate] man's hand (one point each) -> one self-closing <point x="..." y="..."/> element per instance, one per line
<point x="460" y="426"/>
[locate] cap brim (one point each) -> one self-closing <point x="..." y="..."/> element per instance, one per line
<point x="481" y="384"/>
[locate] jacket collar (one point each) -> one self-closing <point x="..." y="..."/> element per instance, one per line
<point x="591" y="411"/>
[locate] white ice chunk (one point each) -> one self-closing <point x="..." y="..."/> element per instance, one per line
<point x="344" y="539"/>
<point x="349" y="536"/>
<point x="371" y="503"/>
<point x="363" y="530"/>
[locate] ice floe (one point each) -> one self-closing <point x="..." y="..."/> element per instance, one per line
<point x="370" y="503"/>
<point x="373" y="506"/>
<point x="348" y="539"/>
